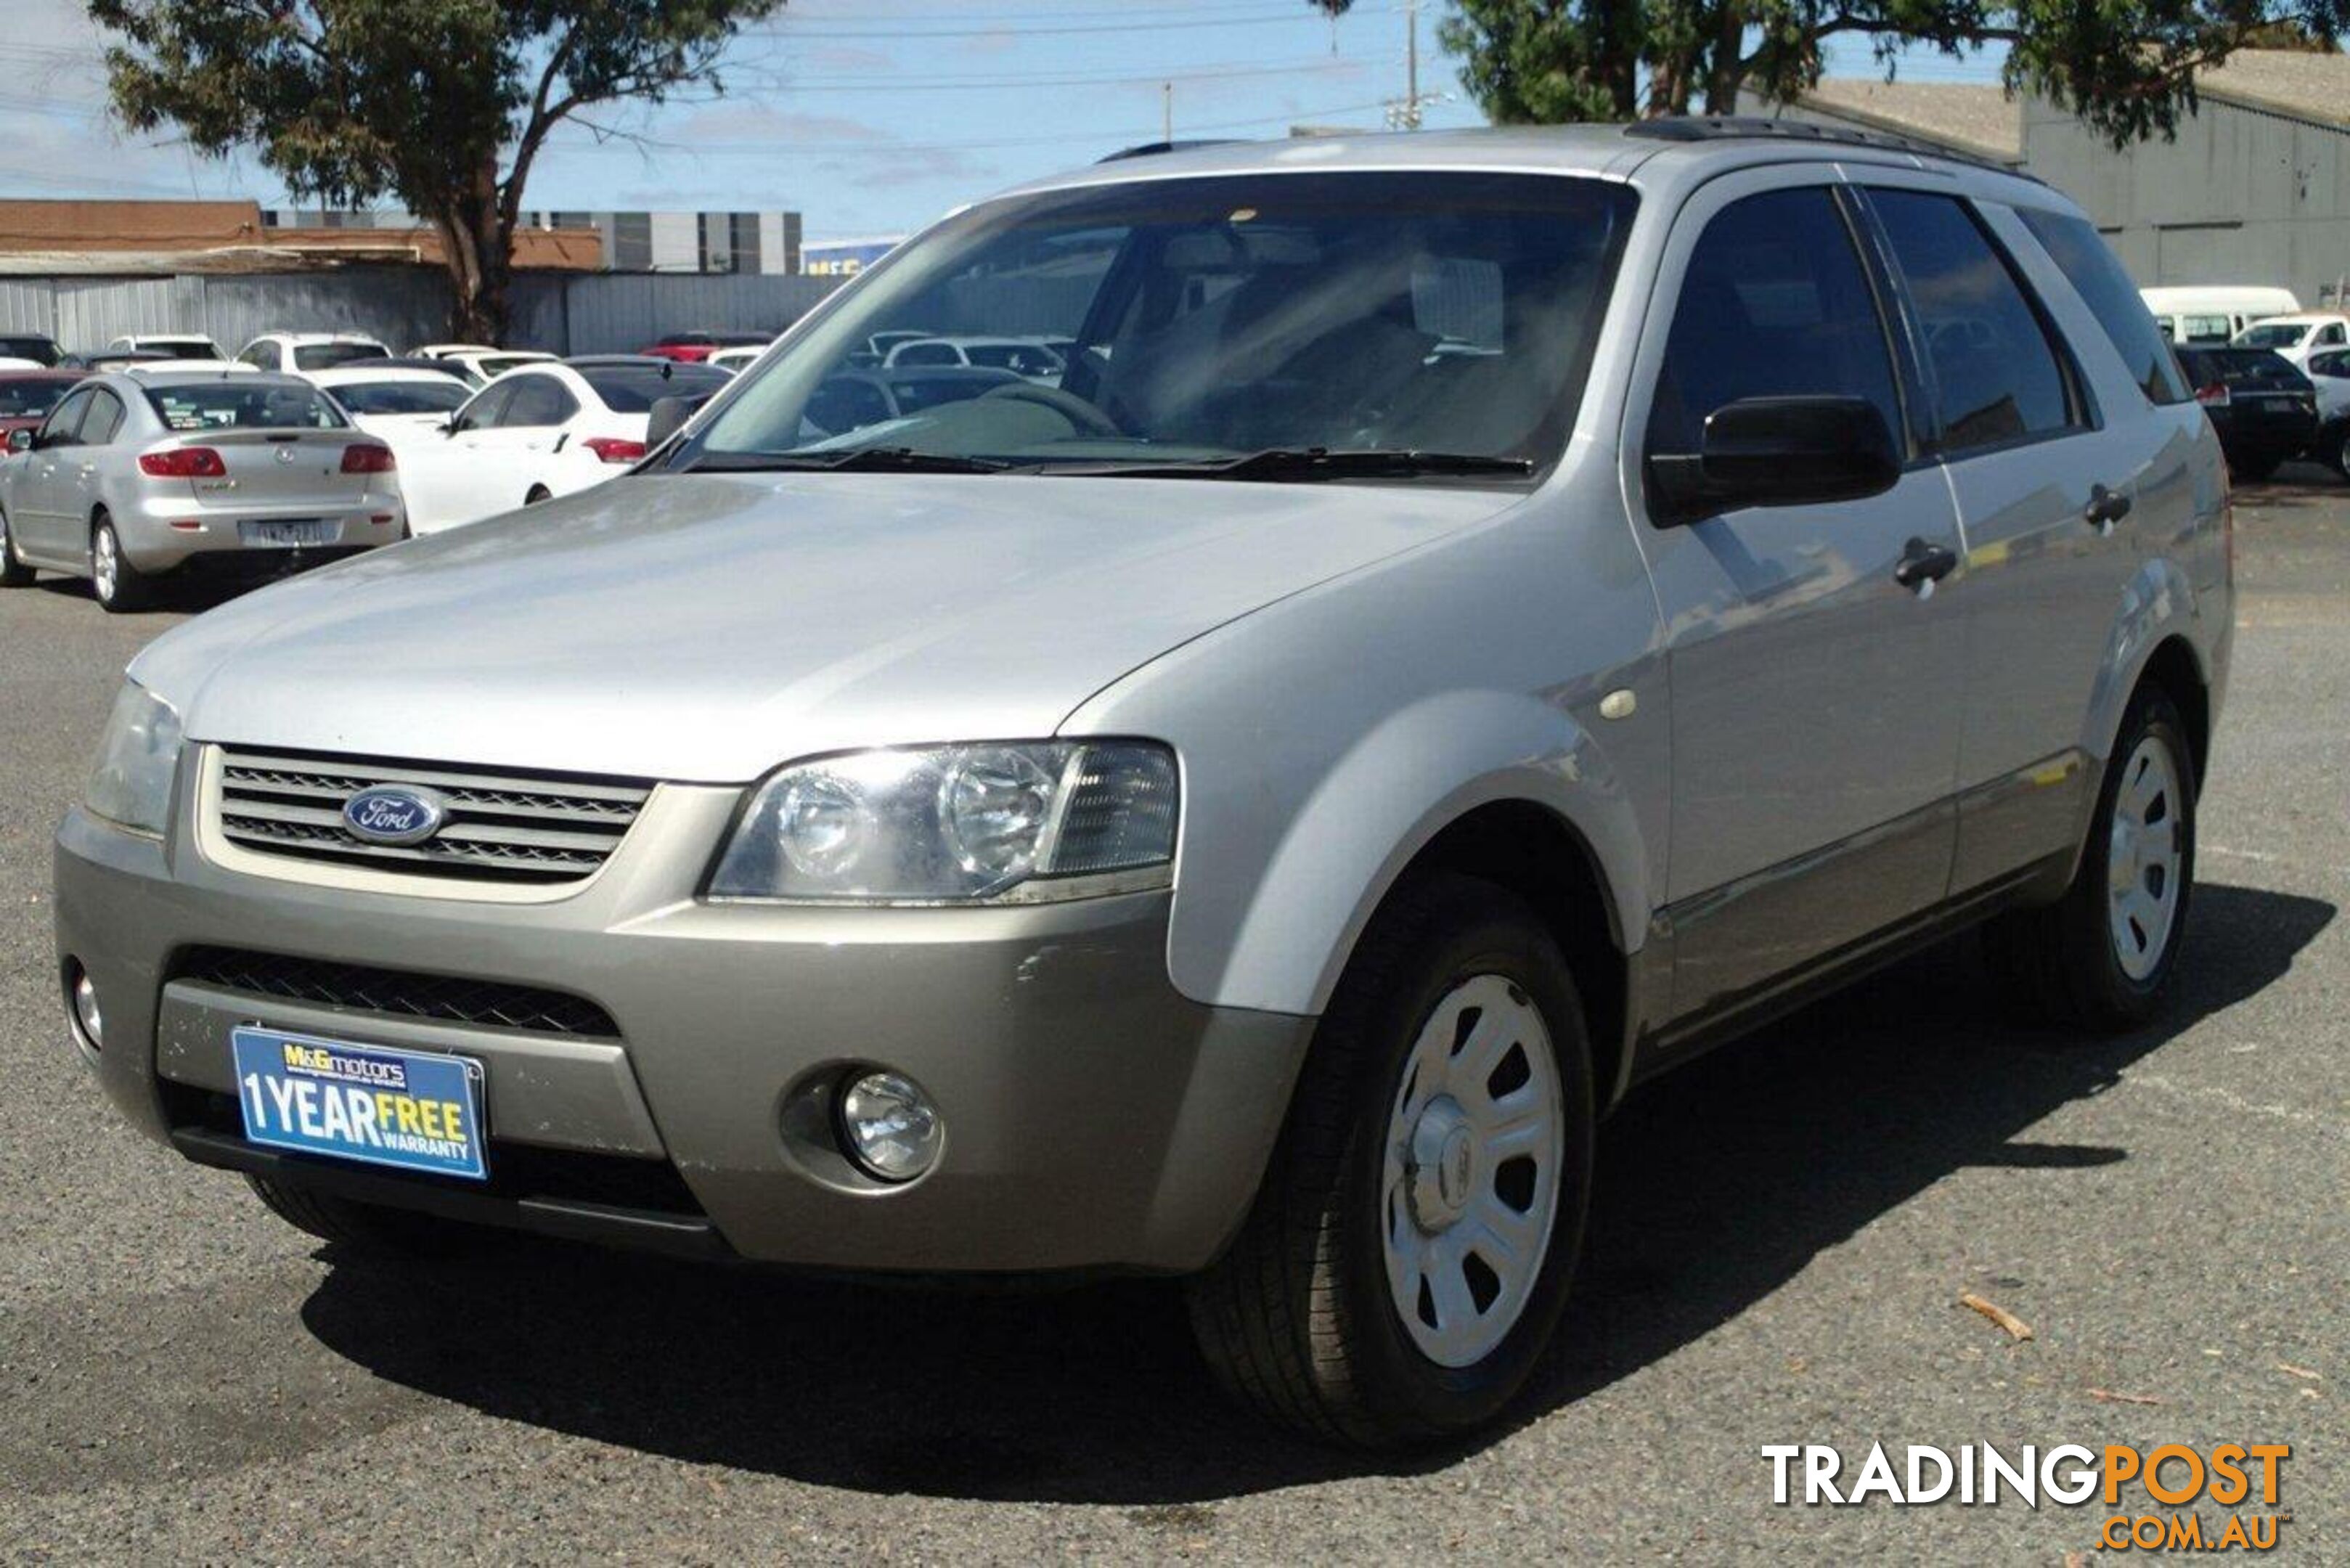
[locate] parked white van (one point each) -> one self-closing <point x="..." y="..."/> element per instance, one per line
<point x="2214" y="313"/>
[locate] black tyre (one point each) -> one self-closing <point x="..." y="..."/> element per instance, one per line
<point x="14" y="573"/>
<point x="365" y="1227"/>
<point x="2337" y="449"/>
<point x="538" y="492"/>
<point x="1409" y="1252"/>
<point x="120" y="587"/>
<point x="2100" y="958"/>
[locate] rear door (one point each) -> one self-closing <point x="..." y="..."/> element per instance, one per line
<point x="1814" y="696"/>
<point x="2057" y="475"/>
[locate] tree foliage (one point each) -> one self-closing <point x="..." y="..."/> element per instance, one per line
<point x="2126" y="67"/>
<point x="444" y="105"/>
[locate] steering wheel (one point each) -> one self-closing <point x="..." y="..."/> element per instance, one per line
<point x="1088" y="419"/>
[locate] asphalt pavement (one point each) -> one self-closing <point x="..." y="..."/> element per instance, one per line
<point x="1782" y="1235"/>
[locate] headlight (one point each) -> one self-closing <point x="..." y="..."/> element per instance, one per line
<point x="952" y="823"/>
<point x="130" y="786"/>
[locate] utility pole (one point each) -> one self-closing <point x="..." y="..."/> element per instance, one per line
<point x="1404" y="113"/>
<point x="1167" y="111"/>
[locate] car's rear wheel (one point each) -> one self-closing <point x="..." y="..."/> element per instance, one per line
<point x="14" y="573"/>
<point x="1408" y="1253"/>
<point x="538" y="492"/>
<point x="119" y="586"/>
<point x="2100" y="958"/>
<point x="365" y="1227"/>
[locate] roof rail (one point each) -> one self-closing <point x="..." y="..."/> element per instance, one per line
<point x="1734" y="127"/>
<point x="1152" y="149"/>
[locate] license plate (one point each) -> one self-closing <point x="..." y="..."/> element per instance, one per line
<point x="286" y="534"/>
<point x="416" y="1110"/>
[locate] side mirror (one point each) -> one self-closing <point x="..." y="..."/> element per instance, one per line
<point x="669" y="415"/>
<point x="20" y="440"/>
<point x="1777" y="452"/>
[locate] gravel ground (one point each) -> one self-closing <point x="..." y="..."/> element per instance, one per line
<point x="1782" y="1234"/>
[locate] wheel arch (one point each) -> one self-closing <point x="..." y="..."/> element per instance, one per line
<point x="2161" y="632"/>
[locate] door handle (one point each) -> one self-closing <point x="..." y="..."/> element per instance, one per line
<point x="1923" y="564"/>
<point x="2106" y="508"/>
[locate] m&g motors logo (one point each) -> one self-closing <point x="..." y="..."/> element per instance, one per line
<point x="2151" y="1497"/>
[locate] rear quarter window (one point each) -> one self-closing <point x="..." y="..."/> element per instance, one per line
<point x="2097" y="276"/>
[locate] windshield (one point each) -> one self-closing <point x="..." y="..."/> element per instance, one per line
<point x="403" y="396"/>
<point x="499" y="364"/>
<point x="1201" y="320"/>
<point x="242" y="405"/>
<point x="326" y="356"/>
<point x="32" y="396"/>
<point x="2273" y="335"/>
<point x="183" y="348"/>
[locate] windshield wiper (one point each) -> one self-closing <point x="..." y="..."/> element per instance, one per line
<point x="1296" y="465"/>
<point x="862" y="459"/>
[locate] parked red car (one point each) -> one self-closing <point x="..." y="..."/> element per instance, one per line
<point x="27" y="395"/>
<point x="695" y="347"/>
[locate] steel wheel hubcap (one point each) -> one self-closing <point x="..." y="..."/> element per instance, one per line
<point x="1475" y="1144"/>
<point x="102" y="567"/>
<point x="2146" y="852"/>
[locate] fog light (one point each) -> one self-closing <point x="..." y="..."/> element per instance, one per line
<point x="889" y="1126"/>
<point x="85" y="1007"/>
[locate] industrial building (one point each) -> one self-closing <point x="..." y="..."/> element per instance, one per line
<point x="756" y="243"/>
<point x="2254" y="189"/>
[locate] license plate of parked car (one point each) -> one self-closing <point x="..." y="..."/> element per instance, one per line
<point x="416" y="1110"/>
<point x="286" y="534"/>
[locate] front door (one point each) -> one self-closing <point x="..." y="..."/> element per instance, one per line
<point x="43" y="490"/>
<point x="1815" y="694"/>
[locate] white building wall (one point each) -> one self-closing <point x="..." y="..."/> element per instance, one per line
<point x="676" y="242"/>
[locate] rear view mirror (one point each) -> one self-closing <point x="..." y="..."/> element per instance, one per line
<point x="669" y="415"/>
<point x="20" y="440"/>
<point x="1777" y="452"/>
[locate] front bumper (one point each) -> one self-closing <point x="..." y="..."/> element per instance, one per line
<point x="1095" y="1118"/>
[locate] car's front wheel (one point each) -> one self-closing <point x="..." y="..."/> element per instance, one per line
<point x="1408" y="1253"/>
<point x="2100" y="958"/>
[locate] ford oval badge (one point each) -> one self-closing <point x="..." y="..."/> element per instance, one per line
<point x="395" y="814"/>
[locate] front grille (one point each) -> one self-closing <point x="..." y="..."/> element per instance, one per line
<point x="356" y="987"/>
<point x="500" y="826"/>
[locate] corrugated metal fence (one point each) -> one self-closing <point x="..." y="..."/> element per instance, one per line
<point x="568" y="313"/>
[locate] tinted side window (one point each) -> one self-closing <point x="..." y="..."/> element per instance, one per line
<point x="537" y="400"/>
<point x="105" y="418"/>
<point x="1997" y="377"/>
<point x="1774" y="304"/>
<point x="65" y="418"/>
<point x="927" y="354"/>
<point x="487" y="410"/>
<point x="2332" y="335"/>
<point x="2329" y="364"/>
<point x="2090" y="266"/>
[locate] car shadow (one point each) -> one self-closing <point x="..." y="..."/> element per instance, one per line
<point x="1718" y="1183"/>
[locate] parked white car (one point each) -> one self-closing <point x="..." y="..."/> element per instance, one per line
<point x="2209" y="315"/>
<point x="399" y="405"/>
<point x="1023" y="356"/>
<point x="736" y="360"/>
<point x="299" y="353"/>
<point x="541" y="431"/>
<point x="479" y="363"/>
<point x="2298" y="336"/>
<point x="178" y="344"/>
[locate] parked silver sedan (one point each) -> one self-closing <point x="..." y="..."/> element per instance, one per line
<point x="137" y="474"/>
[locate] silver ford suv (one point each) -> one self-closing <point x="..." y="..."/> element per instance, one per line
<point x="1476" y="619"/>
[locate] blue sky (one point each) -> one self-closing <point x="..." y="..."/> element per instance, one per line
<point x="870" y="117"/>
